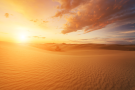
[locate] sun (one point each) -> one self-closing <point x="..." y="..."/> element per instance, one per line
<point x="23" y="37"/>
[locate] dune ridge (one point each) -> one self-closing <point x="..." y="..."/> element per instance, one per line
<point x="67" y="47"/>
<point x="27" y="68"/>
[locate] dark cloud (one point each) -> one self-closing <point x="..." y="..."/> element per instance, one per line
<point x="130" y="39"/>
<point x="129" y="32"/>
<point x="117" y="42"/>
<point x="121" y="42"/>
<point x="110" y="40"/>
<point x="95" y="14"/>
<point x="122" y="30"/>
<point x="6" y="15"/>
<point x="127" y="27"/>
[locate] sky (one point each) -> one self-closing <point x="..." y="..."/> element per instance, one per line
<point x="68" y="21"/>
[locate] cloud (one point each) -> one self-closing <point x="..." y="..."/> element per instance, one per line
<point x="6" y="15"/>
<point x="45" y="21"/>
<point x="109" y="40"/>
<point x="128" y="32"/>
<point x="34" y="20"/>
<point x="118" y="42"/>
<point x="35" y="36"/>
<point x="74" y="41"/>
<point x="38" y="37"/>
<point x="68" y="5"/>
<point x="43" y="37"/>
<point x="130" y="39"/>
<point x="39" y="21"/>
<point x="84" y="39"/>
<point x="93" y="15"/>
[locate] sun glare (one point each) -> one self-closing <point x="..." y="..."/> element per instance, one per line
<point x="22" y="37"/>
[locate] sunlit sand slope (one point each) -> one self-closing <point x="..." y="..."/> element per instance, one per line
<point x="28" y="68"/>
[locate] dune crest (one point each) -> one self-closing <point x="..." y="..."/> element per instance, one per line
<point x="28" y="68"/>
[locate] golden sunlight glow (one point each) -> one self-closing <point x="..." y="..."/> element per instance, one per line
<point x="22" y="37"/>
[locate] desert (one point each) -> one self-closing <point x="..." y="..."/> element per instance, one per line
<point x="24" y="67"/>
<point x="67" y="44"/>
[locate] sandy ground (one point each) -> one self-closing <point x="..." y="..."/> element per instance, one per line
<point x="29" y="68"/>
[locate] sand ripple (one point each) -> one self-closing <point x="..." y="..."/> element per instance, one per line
<point x="26" y="69"/>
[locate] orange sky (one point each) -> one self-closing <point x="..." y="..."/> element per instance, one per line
<point x="61" y="21"/>
<point x="29" y="18"/>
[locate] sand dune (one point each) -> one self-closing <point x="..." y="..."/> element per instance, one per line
<point x="27" y="68"/>
<point x="71" y="47"/>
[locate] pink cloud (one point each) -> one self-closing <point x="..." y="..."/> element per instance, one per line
<point x="68" y="5"/>
<point x="93" y="15"/>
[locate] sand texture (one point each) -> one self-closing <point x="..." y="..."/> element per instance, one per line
<point x="29" y="68"/>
